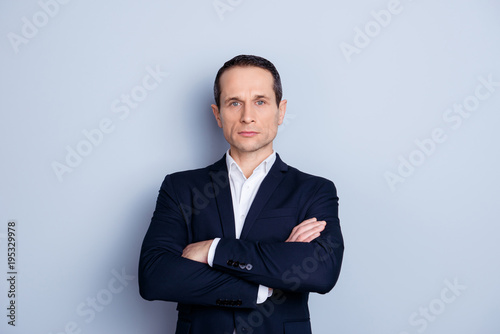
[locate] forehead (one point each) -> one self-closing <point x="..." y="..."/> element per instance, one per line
<point x="237" y="80"/>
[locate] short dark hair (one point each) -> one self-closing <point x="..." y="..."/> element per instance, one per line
<point x="246" y="61"/>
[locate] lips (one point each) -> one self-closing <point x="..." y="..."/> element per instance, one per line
<point x="248" y="133"/>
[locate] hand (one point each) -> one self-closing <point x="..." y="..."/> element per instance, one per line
<point x="307" y="231"/>
<point x="197" y="251"/>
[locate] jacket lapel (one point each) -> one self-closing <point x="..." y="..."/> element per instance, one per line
<point x="266" y="189"/>
<point x="220" y="180"/>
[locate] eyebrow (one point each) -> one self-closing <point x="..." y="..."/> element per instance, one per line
<point x="238" y="98"/>
<point x="258" y="97"/>
<point x="232" y="98"/>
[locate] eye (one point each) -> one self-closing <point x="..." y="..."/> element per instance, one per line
<point x="235" y="104"/>
<point x="260" y="103"/>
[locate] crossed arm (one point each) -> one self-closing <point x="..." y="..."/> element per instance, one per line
<point x="172" y="270"/>
<point x="306" y="231"/>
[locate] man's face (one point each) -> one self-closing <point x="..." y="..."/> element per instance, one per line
<point x="248" y="113"/>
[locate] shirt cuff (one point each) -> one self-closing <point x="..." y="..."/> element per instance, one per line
<point x="263" y="294"/>
<point x="211" y="252"/>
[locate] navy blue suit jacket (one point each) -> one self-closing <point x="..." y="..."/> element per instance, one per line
<point x="196" y="205"/>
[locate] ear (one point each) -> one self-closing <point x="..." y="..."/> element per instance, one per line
<point x="281" y="111"/>
<point x="216" y="112"/>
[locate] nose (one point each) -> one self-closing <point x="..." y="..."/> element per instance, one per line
<point x="247" y="114"/>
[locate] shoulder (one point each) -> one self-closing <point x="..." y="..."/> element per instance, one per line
<point x="298" y="175"/>
<point x="304" y="180"/>
<point x="306" y="177"/>
<point x="194" y="177"/>
<point x="190" y="174"/>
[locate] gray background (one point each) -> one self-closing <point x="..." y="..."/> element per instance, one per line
<point x="352" y="117"/>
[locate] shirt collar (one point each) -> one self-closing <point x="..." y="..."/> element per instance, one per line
<point x="266" y="164"/>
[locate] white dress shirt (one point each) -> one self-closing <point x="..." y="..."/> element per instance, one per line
<point x="243" y="192"/>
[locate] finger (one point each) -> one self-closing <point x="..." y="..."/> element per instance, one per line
<point x="307" y="226"/>
<point x="312" y="237"/>
<point x="310" y="233"/>
<point x="304" y="223"/>
<point x="305" y="231"/>
<point x="307" y="222"/>
<point x="297" y="233"/>
<point x="310" y="226"/>
<point x="310" y="220"/>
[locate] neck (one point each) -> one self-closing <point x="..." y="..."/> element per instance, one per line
<point x="248" y="161"/>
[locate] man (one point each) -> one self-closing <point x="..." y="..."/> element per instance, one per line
<point x="241" y="243"/>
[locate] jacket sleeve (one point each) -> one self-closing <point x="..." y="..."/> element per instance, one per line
<point x="291" y="266"/>
<point x="165" y="275"/>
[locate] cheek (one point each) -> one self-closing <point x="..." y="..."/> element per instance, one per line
<point x="227" y="129"/>
<point x="273" y="122"/>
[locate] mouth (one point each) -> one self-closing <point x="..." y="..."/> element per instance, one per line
<point x="248" y="133"/>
